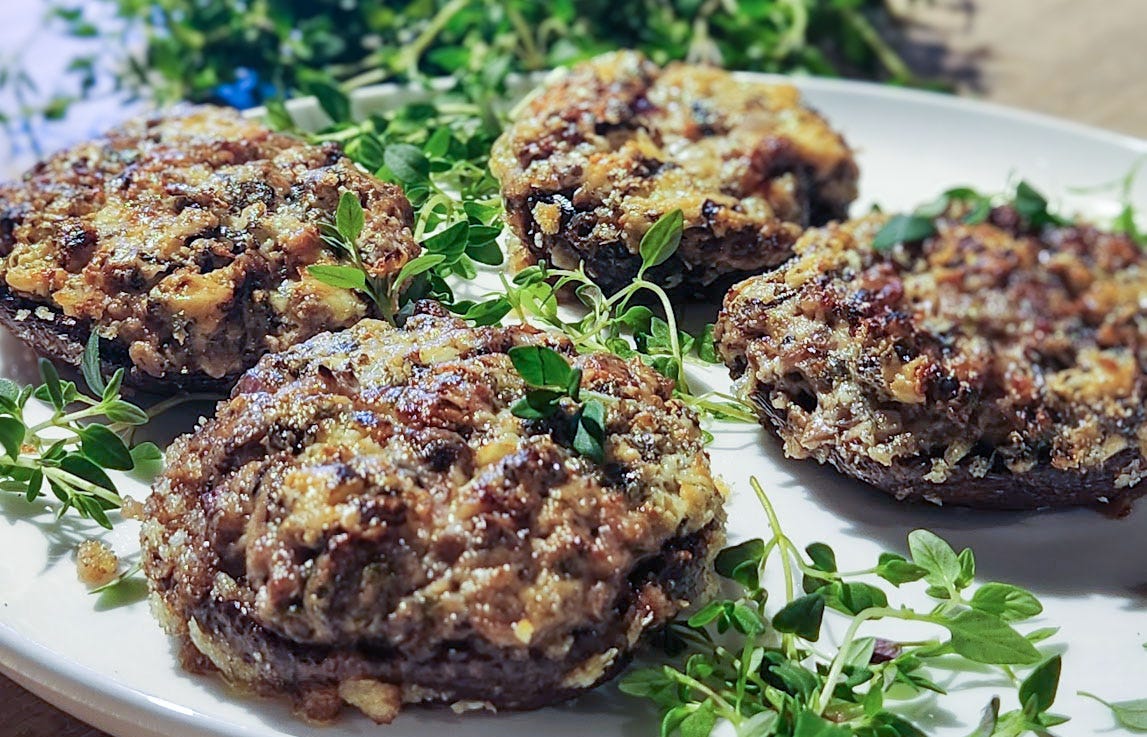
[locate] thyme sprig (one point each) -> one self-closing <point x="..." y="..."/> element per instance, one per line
<point x="765" y="669"/>
<point x="72" y="450"/>
<point x="621" y="324"/>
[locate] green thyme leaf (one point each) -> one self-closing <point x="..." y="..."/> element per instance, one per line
<point x="896" y="570"/>
<point x="52" y="386"/>
<point x="9" y="394"/>
<point x="11" y="436"/>
<point x="707" y="345"/>
<point x="979" y="212"/>
<point x="420" y="265"/>
<point x="489" y="312"/>
<point x="484" y="250"/>
<point x="1131" y="714"/>
<point x="1032" y="205"/>
<point x="147" y="460"/>
<point x="903" y="229"/>
<point x="407" y="163"/>
<point x="84" y="468"/>
<point x="936" y="556"/>
<point x="349" y="216"/>
<point x="986" y="638"/>
<point x="662" y="239"/>
<point x="35" y="484"/>
<point x="106" y="448"/>
<point x="450" y="242"/>
<point x="342" y="277"/>
<point x="988" y="719"/>
<point x="967" y="562"/>
<point x="1041" y="634"/>
<point x="1040" y="687"/>
<point x="125" y="412"/>
<point x="90" y="365"/>
<point x="111" y="388"/>
<point x="1008" y="602"/>
<point x="935" y="208"/>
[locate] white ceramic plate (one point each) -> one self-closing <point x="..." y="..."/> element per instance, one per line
<point x="114" y="669"/>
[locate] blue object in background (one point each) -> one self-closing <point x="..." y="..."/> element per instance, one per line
<point x="246" y="91"/>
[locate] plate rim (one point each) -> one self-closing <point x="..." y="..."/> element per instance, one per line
<point x="109" y="705"/>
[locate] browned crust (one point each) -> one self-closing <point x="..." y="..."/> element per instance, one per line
<point x="596" y="156"/>
<point x="366" y="506"/>
<point x="184" y="238"/>
<point x="1042" y="487"/>
<point x="992" y="365"/>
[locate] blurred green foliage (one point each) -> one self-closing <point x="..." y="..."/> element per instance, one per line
<point x="245" y="51"/>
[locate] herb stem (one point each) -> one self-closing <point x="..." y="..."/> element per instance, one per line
<point x="170" y="403"/>
<point x="724" y="706"/>
<point x="532" y="58"/>
<point x="411" y="54"/>
<point x="784" y="545"/>
<point x="837" y="666"/>
<point x="72" y="480"/>
<point x="880" y="48"/>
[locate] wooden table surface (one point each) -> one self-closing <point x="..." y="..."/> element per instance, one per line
<point x="1084" y="60"/>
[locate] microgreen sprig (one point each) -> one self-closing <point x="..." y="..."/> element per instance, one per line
<point x="438" y="152"/>
<point x="620" y="324"/>
<point x="555" y="395"/>
<point x="768" y="674"/>
<point x="1126" y="222"/>
<point x="343" y="236"/>
<point x="68" y="452"/>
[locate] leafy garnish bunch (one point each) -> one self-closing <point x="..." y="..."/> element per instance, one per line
<point x="971" y="207"/>
<point x="246" y="53"/>
<point x="764" y="666"/>
<point x="69" y="453"/>
<point x="438" y="152"/>
<point x="554" y="396"/>
<point x="444" y="170"/>
<point x="622" y="323"/>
